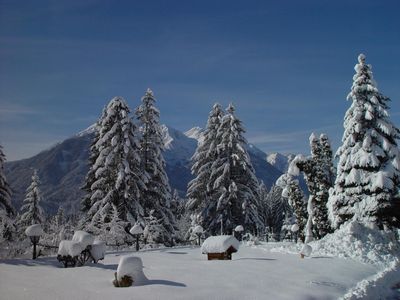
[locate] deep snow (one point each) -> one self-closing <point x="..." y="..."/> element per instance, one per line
<point x="184" y="273"/>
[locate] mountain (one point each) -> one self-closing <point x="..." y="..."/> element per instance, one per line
<point x="63" y="167"/>
<point x="280" y="161"/>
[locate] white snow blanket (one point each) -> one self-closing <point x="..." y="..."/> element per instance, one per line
<point x="219" y="244"/>
<point x="98" y="250"/>
<point x="133" y="267"/>
<point x="71" y="248"/>
<point x="34" y="230"/>
<point x="84" y="238"/>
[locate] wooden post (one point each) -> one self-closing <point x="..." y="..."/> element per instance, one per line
<point x="137" y="242"/>
<point x="34" y="250"/>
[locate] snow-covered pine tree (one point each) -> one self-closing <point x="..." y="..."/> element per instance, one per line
<point x="294" y="194"/>
<point x="317" y="170"/>
<point x="157" y="196"/>
<point x="234" y="181"/>
<point x="265" y="210"/>
<point x="200" y="190"/>
<point x="31" y="210"/>
<point x="119" y="180"/>
<point x="90" y="178"/>
<point x="114" y="232"/>
<point x="367" y="182"/>
<point x="276" y="215"/>
<point x="155" y="232"/>
<point x="7" y="211"/>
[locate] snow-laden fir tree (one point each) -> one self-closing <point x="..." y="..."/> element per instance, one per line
<point x="265" y="209"/>
<point x="7" y="211"/>
<point x="274" y="203"/>
<point x="296" y="199"/>
<point x="90" y="178"/>
<point x="114" y="232"/>
<point x="317" y="170"/>
<point x="157" y="196"/>
<point x="234" y="181"/>
<point x="367" y="182"/>
<point x="118" y="180"/>
<point x="200" y="192"/>
<point x="31" y="210"/>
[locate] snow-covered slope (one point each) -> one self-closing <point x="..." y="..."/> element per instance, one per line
<point x="195" y="133"/>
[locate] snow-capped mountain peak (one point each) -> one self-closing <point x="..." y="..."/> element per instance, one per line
<point x="89" y="130"/>
<point x="194" y="133"/>
<point x="280" y="161"/>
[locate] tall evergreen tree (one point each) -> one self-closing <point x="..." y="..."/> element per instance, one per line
<point x="317" y="170"/>
<point x="157" y="196"/>
<point x="200" y="190"/>
<point x="368" y="176"/>
<point x="118" y="180"/>
<point x="234" y="180"/>
<point x="31" y="210"/>
<point x="294" y="194"/>
<point x="90" y="178"/>
<point x="276" y="208"/>
<point x="7" y="211"/>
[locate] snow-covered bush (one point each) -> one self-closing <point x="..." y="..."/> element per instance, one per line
<point x="98" y="250"/>
<point x="129" y="272"/>
<point x="70" y="248"/>
<point x="306" y="250"/>
<point x="83" y="238"/>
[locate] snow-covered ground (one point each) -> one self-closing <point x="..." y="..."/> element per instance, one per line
<point x="184" y="273"/>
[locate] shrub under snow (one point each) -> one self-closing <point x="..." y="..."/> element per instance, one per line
<point x="131" y="266"/>
<point x="98" y="250"/>
<point x="71" y="248"/>
<point x="84" y="238"/>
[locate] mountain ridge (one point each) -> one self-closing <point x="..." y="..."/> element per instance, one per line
<point x="63" y="167"/>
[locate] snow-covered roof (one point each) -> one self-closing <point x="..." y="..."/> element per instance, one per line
<point x="219" y="244"/>
<point x="34" y="230"/>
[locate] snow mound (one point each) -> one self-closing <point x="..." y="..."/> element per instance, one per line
<point x="358" y="241"/>
<point x="219" y="244"/>
<point x="98" y="250"/>
<point x="84" y="238"/>
<point x="34" y="230"/>
<point x="71" y="248"/>
<point x="306" y="251"/>
<point x="133" y="267"/>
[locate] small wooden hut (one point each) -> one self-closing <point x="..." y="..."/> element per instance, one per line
<point x="220" y="247"/>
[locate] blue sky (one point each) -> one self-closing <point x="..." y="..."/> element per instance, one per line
<point x="286" y="65"/>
